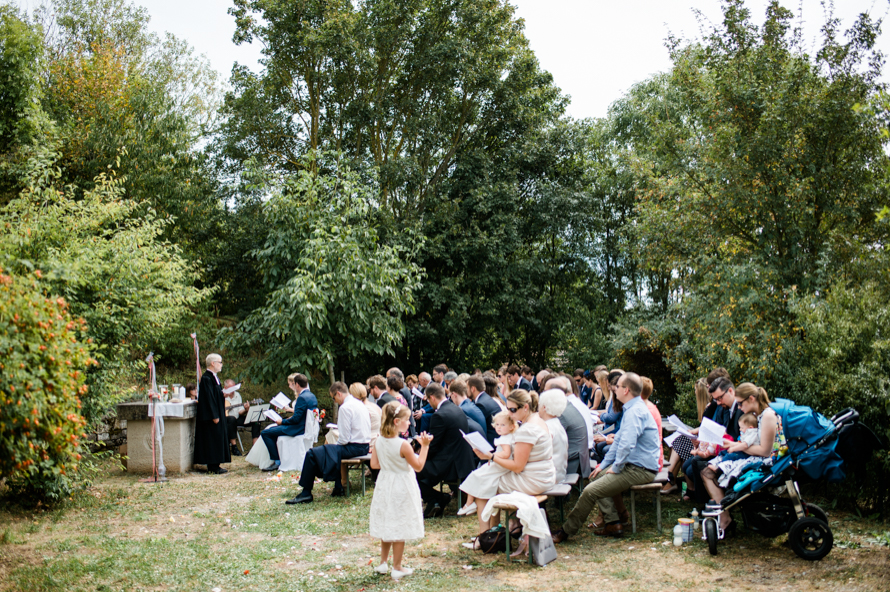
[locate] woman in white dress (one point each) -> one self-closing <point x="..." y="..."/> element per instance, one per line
<point x="396" y="509"/>
<point x="531" y="468"/>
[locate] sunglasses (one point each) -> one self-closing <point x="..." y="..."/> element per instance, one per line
<point x="512" y="409"/>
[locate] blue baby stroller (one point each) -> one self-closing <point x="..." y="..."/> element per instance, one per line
<point x="768" y="496"/>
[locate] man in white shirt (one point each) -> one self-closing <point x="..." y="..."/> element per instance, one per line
<point x="354" y="427"/>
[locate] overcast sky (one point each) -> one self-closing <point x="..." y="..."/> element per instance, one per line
<point x="595" y="49"/>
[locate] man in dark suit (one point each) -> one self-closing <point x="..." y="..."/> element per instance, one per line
<point x="515" y="379"/>
<point x="211" y="437"/>
<point x="377" y="389"/>
<point x="450" y="460"/>
<point x="722" y="392"/>
<point x="488" y="406"/>
<point x="295" y="425"/>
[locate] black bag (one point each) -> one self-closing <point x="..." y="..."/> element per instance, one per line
<point x="493" y="540"/>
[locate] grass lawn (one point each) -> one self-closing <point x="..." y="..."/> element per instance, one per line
<point x="234" y="532"/>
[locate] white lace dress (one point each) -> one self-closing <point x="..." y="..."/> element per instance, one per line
<point x="483" y="482"/>
<point x="396" y="510"/>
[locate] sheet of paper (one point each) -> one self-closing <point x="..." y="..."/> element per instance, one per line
<point x="682" y="428"/>
<point x="280" y="400"/>
<point x="272" y="415"/>
<point x="331" y="426"/>
<point x="477" y="441"/>
<point x="670" y="439"/>
<point x="416" y="392"/>
<point x="608" y="430"/>
<point x="711" y="431"/>
<point x="231" y="389"/>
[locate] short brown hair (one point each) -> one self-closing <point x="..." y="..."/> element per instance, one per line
<point x="477" y="382"/>
<point x="633" y="383"/>
<point x="434" y="390"/>
<point x="339" y="387"/>
<point x="459" y="387"/>
<point x="377" y="381"/>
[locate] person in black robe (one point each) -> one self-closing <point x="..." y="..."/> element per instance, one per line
<point x="211" y="435"/>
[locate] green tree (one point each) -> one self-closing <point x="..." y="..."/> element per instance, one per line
<point x="333" y="288"/>
<point x="758" y="176"/>
<point x="105" y="255"/>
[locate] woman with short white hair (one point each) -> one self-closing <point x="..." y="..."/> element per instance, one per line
<point x="551" y="405"/>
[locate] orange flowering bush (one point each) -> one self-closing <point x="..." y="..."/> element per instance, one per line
<point x="43" y="358"/>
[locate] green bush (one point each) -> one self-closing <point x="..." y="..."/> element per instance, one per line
<point x="43" y="359"/>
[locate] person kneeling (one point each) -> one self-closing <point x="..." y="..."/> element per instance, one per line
<point x="632" y="460"/>
<point x="354" y="426"/>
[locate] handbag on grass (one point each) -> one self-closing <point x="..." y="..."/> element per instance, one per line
<point x="493" y="540"/>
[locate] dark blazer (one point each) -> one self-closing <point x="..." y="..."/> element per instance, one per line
<point x="729" y="418"/>
<point x="211" y="439"/>
<point x="576" y="433"/>
<point x="385" y="398"/>
<point x="409" y="398"/>
<point x="450" y="458"/>
<point x="489" y="408"/>
<point x="524" y="384"/>
<point x="295" y="425"/>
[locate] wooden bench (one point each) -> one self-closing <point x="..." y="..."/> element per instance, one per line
<point x="655" y="487"/>
<point x="560" y="492"/>
<point x="511" y="511"/>
<point x="359" y="463"/>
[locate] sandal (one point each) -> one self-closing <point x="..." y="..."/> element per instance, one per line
<point x="515" y="528"/>
<point x="668" y="488"/>
<point x="522" y="549"/>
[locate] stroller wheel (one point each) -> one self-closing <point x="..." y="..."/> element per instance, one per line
<point x="711" y="535"/>
<point x="815" y="511"/>
<point x="810" y="538"/>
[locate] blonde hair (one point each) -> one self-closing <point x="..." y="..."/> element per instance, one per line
<point x="748" y="419"/>
<point x="504" y="415"/>
<point x="358" y="390"/>
<point x="647" y="388"/>
<point x="702" y="398"/>
<point x="525" y="398"/>
<point x="749" y="389"/>
<point x="391" y="412"/>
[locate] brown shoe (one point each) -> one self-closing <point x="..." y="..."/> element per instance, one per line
<point x="609" y="530"/>
<point x="560" y="536"/>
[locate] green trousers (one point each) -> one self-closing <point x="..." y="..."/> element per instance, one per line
<point x="600" y="491"/>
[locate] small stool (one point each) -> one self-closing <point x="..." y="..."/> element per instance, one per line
<point x="356" y="462"/>
<point x="657" y="483"/>
<point x="560" y="492"/>
<point x="511" y="511"/>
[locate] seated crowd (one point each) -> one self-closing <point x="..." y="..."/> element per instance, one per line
<point x="599" y="425"/>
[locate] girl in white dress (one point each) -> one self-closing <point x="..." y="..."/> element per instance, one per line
<point x="396" y="510"/>
<point x="483" y="482"/>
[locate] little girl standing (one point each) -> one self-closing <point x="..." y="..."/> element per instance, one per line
<point x="483" y="482"/>
<point x="396" y="509"/>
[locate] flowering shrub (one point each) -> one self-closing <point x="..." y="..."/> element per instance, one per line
<point x="42" y="362"/>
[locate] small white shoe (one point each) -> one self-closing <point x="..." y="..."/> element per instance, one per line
<point x="382" y="568"/>
<point x="467" y="510"/>
<point x="399" y="574"/>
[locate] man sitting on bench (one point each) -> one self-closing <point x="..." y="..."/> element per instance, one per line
<point x="354" y="427"/>
<point x="632" y="460"/>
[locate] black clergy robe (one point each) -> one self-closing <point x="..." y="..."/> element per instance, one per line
<point x="211" y="439"/>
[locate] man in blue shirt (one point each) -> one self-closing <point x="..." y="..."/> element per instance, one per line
<point x="632" y="460"/>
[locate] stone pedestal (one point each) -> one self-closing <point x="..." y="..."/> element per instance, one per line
<point x="179" y="438"/>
